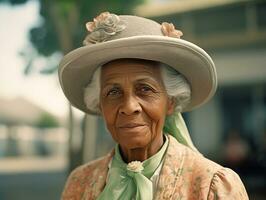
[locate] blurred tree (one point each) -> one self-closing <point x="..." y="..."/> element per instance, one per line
<point x="62" y="29"/>
<point x="46" y="120"/>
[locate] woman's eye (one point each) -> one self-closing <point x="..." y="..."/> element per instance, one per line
<point x="113" y="92"/>
<point x="145" y="89"/>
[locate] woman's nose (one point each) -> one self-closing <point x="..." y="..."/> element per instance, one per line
<point x="129" y="106"/>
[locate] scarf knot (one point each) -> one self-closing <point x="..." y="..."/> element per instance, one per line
<point x="134" y="167"/>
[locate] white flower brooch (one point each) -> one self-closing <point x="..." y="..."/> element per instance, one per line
<point x="103" y="27"/>
<point x="135" y="166"/>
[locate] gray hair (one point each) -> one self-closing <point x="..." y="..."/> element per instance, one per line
<point x="175" y="84"/>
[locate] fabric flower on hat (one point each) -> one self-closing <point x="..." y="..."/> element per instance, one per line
<point x="135" y="166"/>
<point x="169" y="30"/>
<point x="103" y="27"/>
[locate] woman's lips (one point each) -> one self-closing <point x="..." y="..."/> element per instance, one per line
<point x="131" y="125"/>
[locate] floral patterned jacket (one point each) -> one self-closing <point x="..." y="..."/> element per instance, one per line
<point x="185" y="175"/>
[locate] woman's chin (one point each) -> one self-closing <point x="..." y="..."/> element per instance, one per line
<point x="131" y="139"/>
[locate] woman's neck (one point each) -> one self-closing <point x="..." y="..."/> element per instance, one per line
<point x="141" y="154"/>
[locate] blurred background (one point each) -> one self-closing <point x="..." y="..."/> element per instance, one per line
<point x="42" y="138"/>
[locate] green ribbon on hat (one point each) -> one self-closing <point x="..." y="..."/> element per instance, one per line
<point x="175" y="125"/>
<point x="132" y="180"/>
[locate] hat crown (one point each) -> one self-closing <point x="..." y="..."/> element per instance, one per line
<point x="133" y="26"/>
<point x="136" y="26"/>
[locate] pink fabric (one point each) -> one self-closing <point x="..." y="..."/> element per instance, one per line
<point x="185" y="175"/>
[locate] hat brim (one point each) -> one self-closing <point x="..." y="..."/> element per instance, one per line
<point x="77" y="67"/>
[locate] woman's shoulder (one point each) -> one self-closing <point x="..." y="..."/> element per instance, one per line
<point x="205" y="178"/>
<point x="220" y="182"/>
<point x="91" y="175"/>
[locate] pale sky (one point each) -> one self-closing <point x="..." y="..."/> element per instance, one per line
<point x="42" y="90"/>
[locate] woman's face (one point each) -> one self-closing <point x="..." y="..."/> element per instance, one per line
<point x="134" y="103"/>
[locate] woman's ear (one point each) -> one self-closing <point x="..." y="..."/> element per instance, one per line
<point x="171" y="105"/>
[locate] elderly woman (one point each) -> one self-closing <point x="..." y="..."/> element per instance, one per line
<point x="139" y="76"/>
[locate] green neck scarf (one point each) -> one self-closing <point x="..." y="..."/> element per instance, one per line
<point x="132" y="180"/>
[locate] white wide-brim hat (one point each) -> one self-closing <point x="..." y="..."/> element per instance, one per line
<point x="114" y="37"/>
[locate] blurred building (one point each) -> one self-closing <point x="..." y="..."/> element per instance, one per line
<point x="28" y="130"/>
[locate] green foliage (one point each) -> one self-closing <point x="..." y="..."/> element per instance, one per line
<point x="44" y="39"/>
<point x="47" y="121"/>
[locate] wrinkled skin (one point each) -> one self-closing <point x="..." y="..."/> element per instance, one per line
<point x="134" y="104"/>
